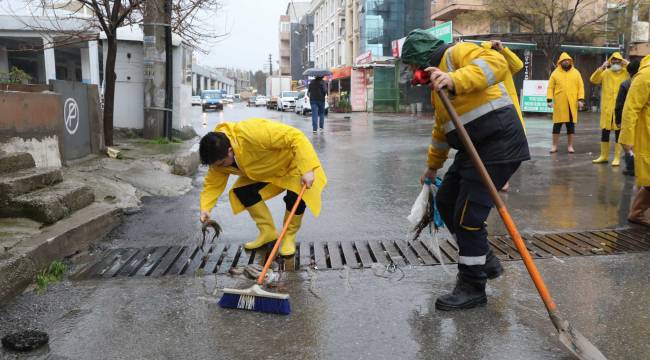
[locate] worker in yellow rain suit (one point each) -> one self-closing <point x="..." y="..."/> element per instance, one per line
<point x="566" y="93"/>
<point x="514" y="66"/>
<point x="269" y="158"/>
<point x="610" y="75"/>
<point x="474" y="77"/>
<point x="635" y="134"/>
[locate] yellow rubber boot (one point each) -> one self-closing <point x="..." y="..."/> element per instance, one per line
<point x="264" y="221"/>
<point x="604" y="154"/>
<point x="617" y="155"/>
<point x="288" y="246"/>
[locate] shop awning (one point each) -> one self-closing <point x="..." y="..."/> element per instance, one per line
<point x="341" y="73"/>
<point x="574" y="49"/>
<point x="510" y="45"/>
<point x="587" y="49"/>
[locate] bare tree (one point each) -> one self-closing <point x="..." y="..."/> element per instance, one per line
<point x="260" y="81"/>
<point x="189" y="20"/>
<point x="549" y="23"/>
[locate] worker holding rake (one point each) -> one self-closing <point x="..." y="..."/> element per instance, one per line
<point x="473" y="77"/>
<point x="269" y="158"/>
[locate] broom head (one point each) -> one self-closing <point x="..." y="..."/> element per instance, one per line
<point x="255" y="299"/>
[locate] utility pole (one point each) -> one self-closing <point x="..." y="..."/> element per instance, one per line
<point x="270" y="89"/>
<point x="169" y="75"/>
<point x="155" y="58"/>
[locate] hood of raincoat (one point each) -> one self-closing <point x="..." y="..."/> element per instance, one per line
<point x="563" y="57"/>
<point x="615" y="55"/>
<point x="419" y="46"/>
<point x="486" y="44"/>
<point x="645" y="62"/>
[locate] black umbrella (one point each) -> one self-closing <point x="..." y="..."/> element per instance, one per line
<point x="317" y="72"/>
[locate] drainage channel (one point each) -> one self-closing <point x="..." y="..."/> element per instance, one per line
<point x="220" y="257"/>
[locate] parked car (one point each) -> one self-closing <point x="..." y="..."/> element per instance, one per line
<point x="260" y="101"/>
<point x="228" y="99"/>
<point x="211" y="99"/>
<point x="303" y="106"/>
<point x="196" y="100"/>
<point x="252" y="101"/>
<point x="287" y="100"/>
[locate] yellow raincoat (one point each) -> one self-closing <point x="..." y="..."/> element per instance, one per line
<point x="610" y="81"/>
<point x="635" y="128"/>
<point x="565" y="88"/>
<point x="265" y="151"/>
<point x="478" y="76"/>
<point x="514" y="65"/>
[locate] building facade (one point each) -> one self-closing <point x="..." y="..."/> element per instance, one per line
<point x="305" y="45"/>
<point x="329" y="33"/>
<point x="208" y="78"/>
<point x="241" y="78"/>
<point x="285" y="45"/>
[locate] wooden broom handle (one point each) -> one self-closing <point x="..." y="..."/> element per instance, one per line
<point x="501" y="207"/>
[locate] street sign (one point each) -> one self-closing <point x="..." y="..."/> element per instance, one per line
<point x="533" y="96"/>
<point x="365" y="58"/>
<point x="359" y="94"/>
<point x="443" y="32"/>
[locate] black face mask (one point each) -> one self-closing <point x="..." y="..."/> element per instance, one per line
<point x="566" y="66"/>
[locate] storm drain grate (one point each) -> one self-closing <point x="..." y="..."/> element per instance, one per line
<point x="219" y="258"/>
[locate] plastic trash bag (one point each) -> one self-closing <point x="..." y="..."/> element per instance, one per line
<point x="424" y="214"/>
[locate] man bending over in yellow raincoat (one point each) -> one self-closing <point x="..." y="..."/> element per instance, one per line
<point x="269" y="158"/>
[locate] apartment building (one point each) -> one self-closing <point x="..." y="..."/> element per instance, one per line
<point x="329" y="32"/>
<point x="285" y="45"/>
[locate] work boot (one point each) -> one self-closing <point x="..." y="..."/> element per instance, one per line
<point x="466" y="295"/>
<point x="629" y="164"/>
<point x="604" y="154"/>
<point x="640" y="204"/>
<point x="264" y="221"/>
<point x="617" y="155"/>
<point x="288" y="246"/>
<point x="493" y="268"/>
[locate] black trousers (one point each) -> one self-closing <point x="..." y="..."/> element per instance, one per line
<point x="604" y="136"/>
<point x="249" y="195"/>
<point x="570" y="128"/>
<point x="464" y="204"/>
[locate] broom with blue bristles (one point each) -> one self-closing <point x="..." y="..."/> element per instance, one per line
<point x="255" y="298"/>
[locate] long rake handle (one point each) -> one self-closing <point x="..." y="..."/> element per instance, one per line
<point x="274" y="251"/>
<point x="501" y="207"/>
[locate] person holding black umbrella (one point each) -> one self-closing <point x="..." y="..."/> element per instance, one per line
<point x="317" y="91"/>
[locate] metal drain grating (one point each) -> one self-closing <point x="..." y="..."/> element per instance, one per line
<point x="221" y="257"/>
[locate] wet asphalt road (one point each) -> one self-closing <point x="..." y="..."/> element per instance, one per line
<point x="373" y="163"/>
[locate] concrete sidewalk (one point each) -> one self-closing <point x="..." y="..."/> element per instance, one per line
<point x="146" y="169"/>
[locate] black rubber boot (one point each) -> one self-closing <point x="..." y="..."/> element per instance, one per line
<point x="466" y="295"/>
<point x="493" y="268"/>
